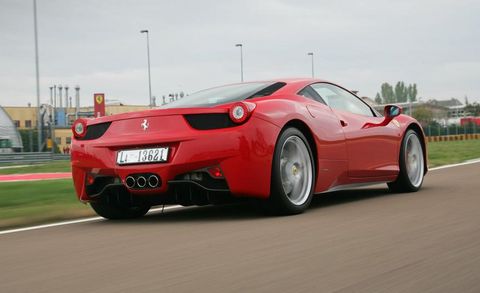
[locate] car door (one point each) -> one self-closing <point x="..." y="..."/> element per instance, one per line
<point x="331" y="148"/>
<point x="372" y="152"/>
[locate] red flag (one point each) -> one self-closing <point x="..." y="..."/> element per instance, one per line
<point x="99" y="102"/>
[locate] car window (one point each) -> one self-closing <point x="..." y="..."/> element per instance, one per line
<point x="340" y="99"/>
<point x="225" y="94"/>
<point x="310" y="93"/>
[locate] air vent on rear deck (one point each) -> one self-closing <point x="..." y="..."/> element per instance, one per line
<point x="95" y="131"/>
<point x="209" y="121"/>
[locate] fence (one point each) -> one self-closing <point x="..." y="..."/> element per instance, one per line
<point x="453" y="137"/>
<point x="455" y="129"/>
<point x="31" y="157"/>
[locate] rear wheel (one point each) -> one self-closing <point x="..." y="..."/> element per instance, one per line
<point x="412" y="164"/>
<point x="293" y="174"/>
<point x="117" y="212"/>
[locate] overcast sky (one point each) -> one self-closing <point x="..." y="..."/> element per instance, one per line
<point x="359" y="44"/>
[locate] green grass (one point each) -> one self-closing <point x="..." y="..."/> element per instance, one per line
<point x="55" y="166"/>
<point x="23" y="203"/>
<point x="450" y="152"/>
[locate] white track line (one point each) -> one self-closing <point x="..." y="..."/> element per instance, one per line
<point x="92" y="219"/>
<point x="456" y="165"/>
<point x="15" y="166"/>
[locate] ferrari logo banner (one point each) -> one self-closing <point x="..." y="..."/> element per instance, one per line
<point x="99" y="104"/>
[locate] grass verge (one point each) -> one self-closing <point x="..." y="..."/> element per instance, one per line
<point x="24" y="203"/>
<point x="450" y="152"/>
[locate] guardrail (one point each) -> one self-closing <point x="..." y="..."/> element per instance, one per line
<point x="28" y="158"/>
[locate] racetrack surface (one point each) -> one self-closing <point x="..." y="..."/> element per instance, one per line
<point x="364" y="240"/>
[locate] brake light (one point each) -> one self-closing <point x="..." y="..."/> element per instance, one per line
<point x="215" y="172"/>
<point x="79" y="128"/>
<point x="90" y="179"/>
<point x="240" y="112"/>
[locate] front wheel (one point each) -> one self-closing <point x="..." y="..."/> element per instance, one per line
<point x="293" y="174"/>
<point x="118" y="212"/>
<point x="412" y="164"/>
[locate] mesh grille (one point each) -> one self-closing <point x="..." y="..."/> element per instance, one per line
<point x="209" y="121"/>
<point x="95" y="131"/>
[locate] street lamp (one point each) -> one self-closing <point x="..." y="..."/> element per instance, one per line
<point x="148" y="58"/>
<point x="313" y="72"/>
<point x="51" y="95"/>
<point x="241" y="60"/>
<point x="37" y="75"/>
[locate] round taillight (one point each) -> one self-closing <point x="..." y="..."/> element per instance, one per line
<point x="238" y="113"/>
<point x="79" y="128"/>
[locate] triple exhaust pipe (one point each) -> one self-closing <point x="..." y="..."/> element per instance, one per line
<point x="142" y="181"/>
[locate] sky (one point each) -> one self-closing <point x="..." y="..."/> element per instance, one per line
<point x="358" y="44"/>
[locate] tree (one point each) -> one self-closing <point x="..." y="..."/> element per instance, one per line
<point x="412" y="92"/>
<point x="423" y="115"/>
<point x="378" y="99"/>
<point x="473" y="109"/>
<point x="400" y="92"/>
<point x="387" y="93"/>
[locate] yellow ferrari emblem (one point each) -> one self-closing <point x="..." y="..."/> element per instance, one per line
<point x="99" y="99"/>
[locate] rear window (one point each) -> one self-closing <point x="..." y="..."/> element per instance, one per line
<point x="226" y="94"/>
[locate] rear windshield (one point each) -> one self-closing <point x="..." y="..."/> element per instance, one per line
<point x="224" y="94"/>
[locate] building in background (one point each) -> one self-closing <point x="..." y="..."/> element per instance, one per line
<point x="10" y="139"/>
<point x="24" y="118"/>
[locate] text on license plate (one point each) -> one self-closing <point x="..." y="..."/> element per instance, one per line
<point x="152" y="155"/>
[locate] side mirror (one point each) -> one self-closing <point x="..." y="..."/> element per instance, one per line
<point x="392" y="111"/>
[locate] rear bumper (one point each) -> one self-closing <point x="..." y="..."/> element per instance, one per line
<point x="244" y="154"/>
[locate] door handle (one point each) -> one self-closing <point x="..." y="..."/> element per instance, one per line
<point x="343" y="123"/>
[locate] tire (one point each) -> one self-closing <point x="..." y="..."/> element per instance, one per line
<point x="117" y="212"/>
<point x="410" y="177"/>
<point x="293" y="174"/>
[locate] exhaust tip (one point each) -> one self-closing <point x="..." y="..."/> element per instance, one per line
<point x="153" y="181"/>
<point x="130" y="181"/>
<point x="141" y="181"/>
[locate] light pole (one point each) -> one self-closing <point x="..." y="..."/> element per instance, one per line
<point x="60" y="88"/>
<point x="66" y="97"/>
<point x="313" y="71"/>
<point x="51" y="95"/>
<point x="37" y="75"/>
<point x="241" y="60"/>
<point x="148" y="58"/>
<point x="54" y="97"/>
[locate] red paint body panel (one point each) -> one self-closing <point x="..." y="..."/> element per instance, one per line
<point x="346" y="154"/>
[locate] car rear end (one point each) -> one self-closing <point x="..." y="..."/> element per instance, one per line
<point x="194" y="155"/>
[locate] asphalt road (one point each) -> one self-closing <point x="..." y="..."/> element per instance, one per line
<point x="357" y="241"/>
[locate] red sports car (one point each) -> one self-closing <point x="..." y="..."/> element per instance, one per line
<point x="278" y="141"/>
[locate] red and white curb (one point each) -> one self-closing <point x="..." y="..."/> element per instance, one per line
<point x="35" y="176"/>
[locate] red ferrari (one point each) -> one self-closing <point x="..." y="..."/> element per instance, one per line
<point x="278" y="141"/>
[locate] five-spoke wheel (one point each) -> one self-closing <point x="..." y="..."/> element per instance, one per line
<point x="293" y="174"/>
<point x="412" y="164"/>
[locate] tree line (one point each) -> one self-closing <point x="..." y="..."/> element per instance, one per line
<point x="472" y="109"/>
<point x="401" y="93"/>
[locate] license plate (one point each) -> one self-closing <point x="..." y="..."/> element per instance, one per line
<point x="138" y="156"/>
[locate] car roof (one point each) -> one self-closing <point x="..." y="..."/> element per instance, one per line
<point x="294" y="85"/>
